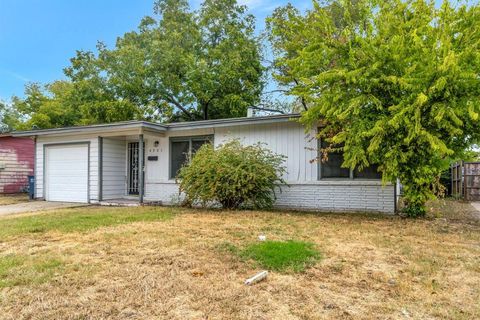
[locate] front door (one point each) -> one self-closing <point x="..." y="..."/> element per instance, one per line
<point x="133" y="168"/>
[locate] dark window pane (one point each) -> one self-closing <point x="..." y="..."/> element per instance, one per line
<point x="197" y="144"/>
<point x="368" y="173"/>
<point x="332" y="168"/>
<point x="179" y="155"/>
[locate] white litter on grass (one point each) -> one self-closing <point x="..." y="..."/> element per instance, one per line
<point x="262" y="237"/>
<point x="256" y="278"/>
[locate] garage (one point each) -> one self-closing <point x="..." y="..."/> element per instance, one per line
<point x="66" y="172"/>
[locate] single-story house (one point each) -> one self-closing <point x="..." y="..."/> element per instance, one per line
<point x="103" y="162"/>
<point x="16" y="163"/>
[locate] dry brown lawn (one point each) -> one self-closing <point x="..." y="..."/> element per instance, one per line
<point x="373" y="267"/>
<point x="12" y="198"/>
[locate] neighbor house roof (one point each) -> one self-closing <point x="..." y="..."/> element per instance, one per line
<point x="116" y="126"/>
<point x="128" y="125"/>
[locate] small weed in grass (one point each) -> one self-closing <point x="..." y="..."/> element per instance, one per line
<point x="227" y="247"/>
<point x="16" y="270"/>
<point x="283" y="256"/>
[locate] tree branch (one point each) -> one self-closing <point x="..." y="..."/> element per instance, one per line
<point x="177" y="104"/>
<point x="302" y="99"/>
<point x="205" y="107"/>
<point x="277" y="90"/>
<point x="267" y="109"/>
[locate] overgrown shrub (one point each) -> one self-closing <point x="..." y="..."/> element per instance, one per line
<point x="233" y="175"/>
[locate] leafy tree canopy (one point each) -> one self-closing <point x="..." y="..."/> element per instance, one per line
<point x="394" y="83"/>
<point x="9" y="117"/>
<point x="179" y="65"/>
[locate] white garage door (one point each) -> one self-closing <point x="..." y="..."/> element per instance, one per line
<point x="66" y="173"/>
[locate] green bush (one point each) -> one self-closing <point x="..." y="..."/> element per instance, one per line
<point x="233" y="175"/>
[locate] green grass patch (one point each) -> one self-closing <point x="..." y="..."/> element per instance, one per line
<point x="16" y="270"/>
<point x="81" y="219"/>
<point x="283" y="256"/>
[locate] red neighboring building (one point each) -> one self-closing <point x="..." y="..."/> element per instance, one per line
<point x="16" y="163"/>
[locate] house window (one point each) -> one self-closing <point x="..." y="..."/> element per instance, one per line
<point x="368" y="173"/>
<point x="181" y="149"/>
<point x="332" y="168"/>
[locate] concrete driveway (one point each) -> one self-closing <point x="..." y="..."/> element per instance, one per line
<point x="34" y="206"/>
<point x="476" y="205"/>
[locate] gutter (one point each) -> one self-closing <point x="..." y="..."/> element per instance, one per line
<point x="126" y="125"/>
<point x="129" y="125"/>
<point x="230" y="122"/>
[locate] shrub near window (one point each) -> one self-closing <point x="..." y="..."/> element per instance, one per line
<point x="233" y="175"/>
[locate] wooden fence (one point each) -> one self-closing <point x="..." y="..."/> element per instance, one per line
<point x="466" y="180"/>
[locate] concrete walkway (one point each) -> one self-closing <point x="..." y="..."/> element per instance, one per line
<point x="476" y="205"/>
<point x="34" y="206"/>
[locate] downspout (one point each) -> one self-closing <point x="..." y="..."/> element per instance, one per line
<point x="100" y="169"/>
<point x="141" y="171"/>
<point x="396" y="194"/>
<point x="35" y="167"/>
<point x="395" y="197"/>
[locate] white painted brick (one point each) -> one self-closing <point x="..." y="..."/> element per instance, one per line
<point x="307" y="197"/>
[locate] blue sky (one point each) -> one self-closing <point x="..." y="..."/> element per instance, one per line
<point x="38" y="37"/>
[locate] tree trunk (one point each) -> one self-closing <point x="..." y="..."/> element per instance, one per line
<point x="205" y="112"/>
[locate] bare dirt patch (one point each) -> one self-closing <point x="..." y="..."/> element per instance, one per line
<point x="373" y="267"/>
<point x="454" y="211"/>
<point x="6" y="199"/>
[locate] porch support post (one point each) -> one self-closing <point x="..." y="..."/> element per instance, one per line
<point x="141" y="165"/>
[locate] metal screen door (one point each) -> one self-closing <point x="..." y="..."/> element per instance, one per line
<point x="133" y="168"/>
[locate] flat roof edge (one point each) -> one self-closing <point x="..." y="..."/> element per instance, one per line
<point x="231" y="122"/>
<point x="93" y="128"/>
<point x="159" y="127"/>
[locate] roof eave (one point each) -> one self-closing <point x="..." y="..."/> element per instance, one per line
<point x="132" y="125"/>
<point x="230" y="122"/>
<point x="93" y="129"/>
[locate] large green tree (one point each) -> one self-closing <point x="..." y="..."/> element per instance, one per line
<point x="284" y="32"/>
<point x="43" y="106"/>
<point x="395" y="84"/>
<point x="179" y="65"/>
<point x="65" y="103"/>
<point x="183" y="65"/>
<point x="9" y="117"/>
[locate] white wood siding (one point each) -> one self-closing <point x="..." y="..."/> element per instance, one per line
<point x="305" y="191"/>
<point x="300" y="148"/>
<point x="288" y="139"/>
<point x="158" y="171"/>
<point x="114" y="168"/>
